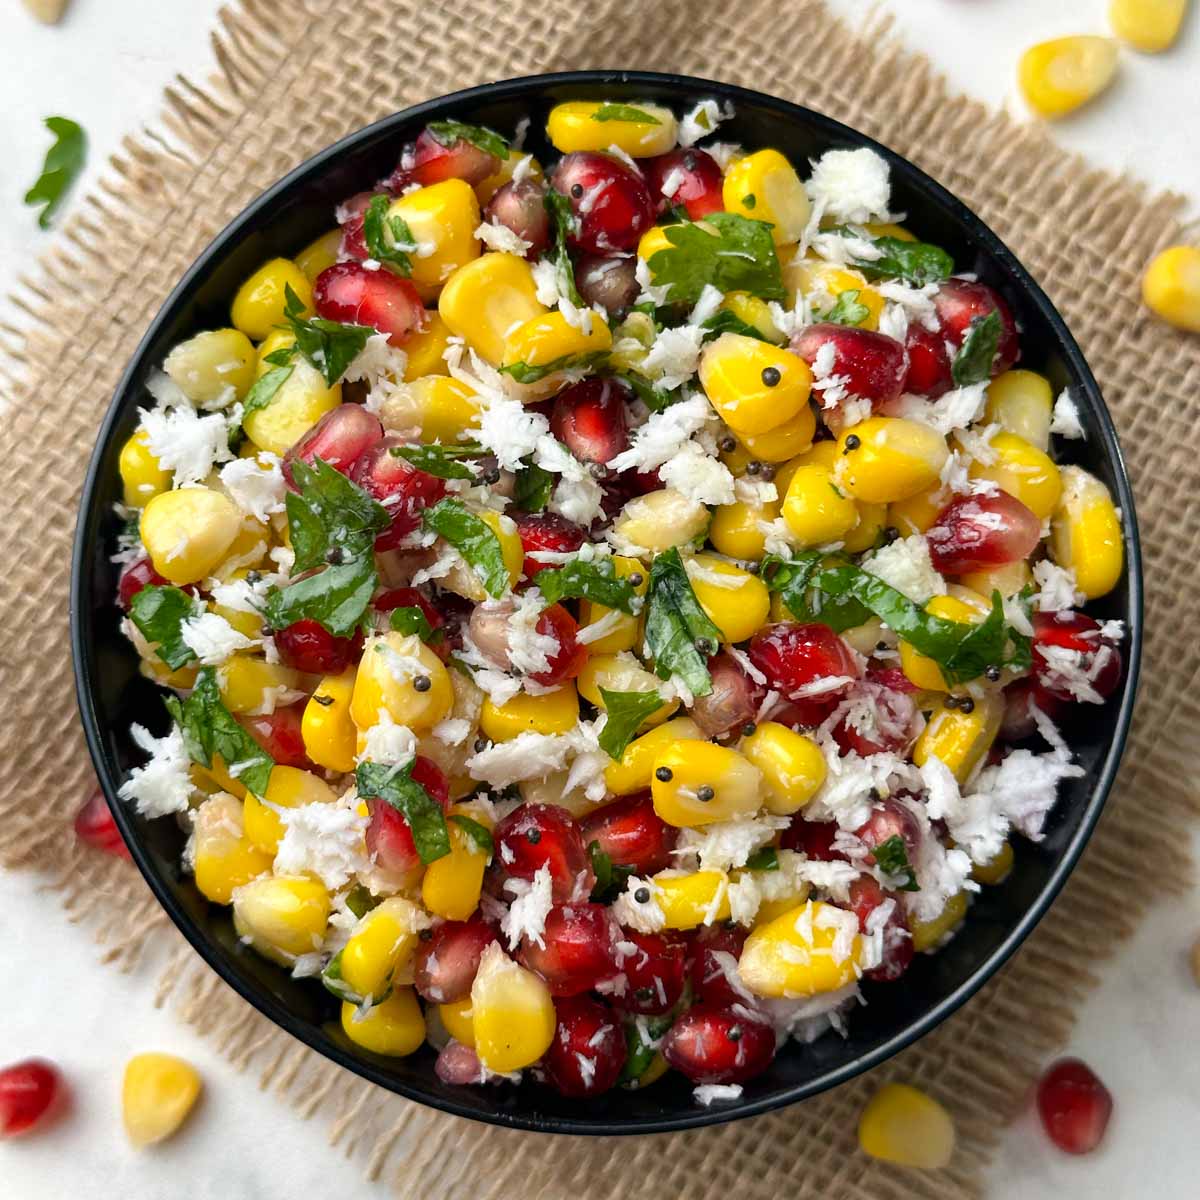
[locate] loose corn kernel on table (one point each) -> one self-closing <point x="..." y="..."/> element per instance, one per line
<point x="107" y="69"/>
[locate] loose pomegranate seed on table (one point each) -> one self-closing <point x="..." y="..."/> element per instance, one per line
<point x="32" y="1092"/>
<point x="1075" y="1107"/>
<point x="94" y="825"/>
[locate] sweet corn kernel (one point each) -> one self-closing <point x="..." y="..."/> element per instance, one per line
<point x="320" y="254"/>
<point x="736" y="529"/>
<point x="451" y="885"/>
<point x="793" y="954"/>
<point x="248" y="624"/>
<point x="753" y="385"/>
<point x="960" y="739"/>
<point x="157" y="1093"/>
<point x="1147" y="25"/>
<point x="247" y="683"/>
<point x="216" y="778"/>
<point x="1058" y="76"/>
<point x="737" y="605"/>
<point x="1171" y="287"/>
<point x="188" y="531"/>
<point x="329" y="733"/>
<point x="1022" y="403"/>
<point x="689" y="901"/>
<point x="182" y="678"/>
<point x="884" y="459"/>
<point x="658" y="521"/>
<point x="513" y="1019"/>
<point x="923" y="672"/>
<point x="636" y="766"/>
<point x="755" y="312"/>
<point x="792" y="765"/>
<point x="881" y="229"/>
<point x="928" y="935"/>
<point x="443" y="217"/>
<point x="487" y="297"/>
<point x="552" y="789"/>
<point x="1085" y="534"/>
<point x="213" y="369"/>
<point x="621" y="673"/>
<point x="390" y="664"/>
<point x="384" y="940"/>
<point x="394" y="1027"/>
<point x="225" y="858"/>
<point x="917" y="513"/>
<point x="995" y="870"/>
<point x="781" y="892"/>
<point x="905" y="1126"/>
<point x="459" y="1020"/>
<point x="782" y="442"/>
<point x="813" y="275"/>
<point x="653" y="240"/>
<point x="551" y="712"/>
<point x="1007" y="579"/>
<point x="574" y="125"/>
<point x="765" y="187"/>
<point x="438" y="408"/>
<point x="247" y="551"/>
<point x="872" y="521"/>
<point x="624" y="633"/>
<point x="259" y="304"/>
<point x="815" y="509"/>
<point x="821" y="454"/>
<point x="425" y="352"/>
<point x="504" y="173"/>
<point x="551" y="338"/>
<point x="462" y="579"/>
<point x="288" y="787"/>
<point x="701" y="783"/>
<point x="282" y="916"/>
<point x="301" y="401"/>
<point x="1023" y="471"/>
<point x="141" y="476"/>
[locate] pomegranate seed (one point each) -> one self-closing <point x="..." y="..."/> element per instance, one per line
<point x="577" y="953"/>
<point x="279" y="734"/>
<point x="655" y="971"/>
<point x="306" y="645"/>
<point x="548" y="533"/>
<point x="94" y="825"/>
<point x="537" y="835"/>
<point x="340" y="438"/>
<point x="715" y="950"/>
<point x="431" y="161"/>
<point x="928" y="363"/>
<point x="733" y="702"/>
<point x="1067" y="644"/>
<point x="348" y="292"/>
<point x="388" y="837"/>
<point x="865" y="896"/>
<point x="873" y="364"/>
<point x="889" y="818"/>
<point x="351" y="217"/>
<point x="588" y="1051"/>
<point x="693" y="177"/>
<point x="521" y="207"/>
<point x="959" y="303"/>
<point x="973" y="533"/>
<point x="609" y="282"/>
<point x="882" y="719"/>
<point x="403" y="490"/>
<point x="1074" y="1105"/>
<point x="718" y="1045"/>
<point x="445" y="964"/>
<point x="591" y="419"/>
<point x="632" y="834"/>
<point x="798" y="660"/>
<point x="892" y="678"/>
<point x="458" y="1065"/>
<point x="814" y="839"/>
<point x="608" y="197"/>
<point x="570" y="657"/>
<point x="30" y="1093"/>
<point x="137" y="575"/>
<point x="1020" y="699"/>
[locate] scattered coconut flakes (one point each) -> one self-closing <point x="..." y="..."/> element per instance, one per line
<point x="256" y="485"/>
<point x="701" y="121"/>
<point x="1065" y="420"/>
<point x="644" y="916"/>
<point x="212" y="639"/>
<point x="708" y="1094"/>
<point x="164" y="784"/>
<point x="322" y="839"/>
<point x="905" y="564"/>
<point x="664" y="434"/>
<point x="526" y="915"/>
<point x="499" y="237"/>
<point x="1057" y="588"/>
<point x="851" y="185"/>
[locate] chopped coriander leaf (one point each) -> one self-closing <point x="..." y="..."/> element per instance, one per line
<point x="63" y="162"/>
<point x="441" y="461"/>
<point x="329" y="345"/>
<point x="917" y="263"/>
<point x="528" y="373"/>
<point x="973" y="362"/>
<point x="655" y="399"/>
<point x="764" y="859"/>
<point x="474" y="539"/>
<point x="610" y="876"/>
<point x="159" y="613"/>
<point x="724" y="321"/>
<point x="847" y="310"/>
<point x="479" y="834"/>
<point x="487" y="140"/>
<point x="331" y="976"/>
<point x="733" y="253"/>
<point x="642" y="1037"/>
<point x="411" y="619"/>
<point x="266" y="387"/>
<point x="395" y="786"/>
<point x="892" y="856"/>
<point x="624" y="112"/>
<point x="335" y="597"/>
<point x="565" y="224"/>
<point x="676" y="626"/>
<point x="330" y="513"/>
<point x="596" y="581"/>
<point x="533" y="489"/>
<point x="626" y="713"/>
<point x="389" y="239"/>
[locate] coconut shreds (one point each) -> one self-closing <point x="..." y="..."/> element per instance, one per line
<point x="664" y="435"/>
<point x="164" y="784"/>
<point x="531" y="905"/>
<point x="851" y="185"/>
<point x="256" y="485"/>
<point x="1057" y="590"/>
<point x="905" y="565"/>
<point x="1065" y="419"/>
<point x="322" y="839"/>
<point x="709" y="1094"/>
<point x="183" y="442"/>
<point x="212" y="639"/>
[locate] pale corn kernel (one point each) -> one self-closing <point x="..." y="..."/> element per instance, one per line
<point x="248" y="683"/>
<point x="659" y="521"/>
<point x="624" y="630"/>
<point x="903" y="1125"/>
<point x="960" y="739"/>
<point x="781" y="442"/>
<point x="439" y="408"/>
<point x="393" y="1027"/>
<point x="552" y="789"/>
<point x="487" y="297"/>
<point x="923" y="672"/>
<point x="917" y="513"/>
<point x="214" y="368"/>
<point x="1058" y="76"/>
<point x="142" y="478"/>
<point x="1085" y="534"/>
<point x="288" y="787"/>
<point x="621" y="673"/>
<point x="738" y="611"/>
<point x="320" y="254"/>
<point x="551" y="338"/>
<point x="636" y="766"/>
<point x="929" y="935"/>
<point x="572" y="126"/>
<point x="691" y="900"/>
<point x="792" y="765"/>
<point x="1147" y="25"/>
<point x="793" y="955"/>
<point x="384" y="940"/>
<point x="884" y="459"/>
<point x="737" y="529"/>
<point x="753" y="385"/>
<point x="302" y="400"/>
<point x="282" y="916"/>
<point x="1023" y="471"/>
<point x="329" y="733"/>
<point x="459" y="1019"/>
<point x="815" y="509"/>
<point x="442" y="218"/>
<point x="513" y="1014"/>
<point x="1021" y="402"/>
<point x="225" y="858"/>
<point x="452" y="884"/>
<point x="504" y="173"/>
<point x="549" y="713"/>
<point x="996" y="869"/>
<point x="387" y="673"/>
<point x="1007" y="578"/>
<point x="868" y="529"/>
<point x="187" y="532"/>
<point x="1171" y="287"/>
<point x="764" y="186"/>
<point x="426" y="351"/>
<point x="702" y="783"/>
<point x="157" y="1093"/>
<point x="259" y="304"/>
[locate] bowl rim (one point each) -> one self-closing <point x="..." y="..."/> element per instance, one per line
<point x="310" y="1034"/>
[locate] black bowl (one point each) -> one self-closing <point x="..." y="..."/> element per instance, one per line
<point x="112" y="694"/>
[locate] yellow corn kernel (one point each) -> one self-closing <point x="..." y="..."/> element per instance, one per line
<point x="438" y="408"/>
<point x="872" y="520"/>
<point x="157" y="1093"/>
<point x="390" y="664"/>
<point x="247" y="683"/>
<point x="247" y="623"/>
<point x="623" y="635"/>
<point x="487" y="297"/>
<point x="1023" y="471"/>
<point x="995" y="870"/>
<point x="225" y="858"/>
<point x="792" y="955"/>
<point x="781" y="891"/>
<point x="451" y="885"/>
<point x="141" y="476"/>
<point x="463" y="580"/>
<point x="890" y="459"/>
<point x="736" y="529"/>
<point x="213" y="369"/>
<point x="282" y="916"/>
<point x="689" y="901"/>
<point x="443" y="217"/>
<point x="216" y="778"/>
<point x="636" y="766"/>
<point x="1058" y="76"/>
<point x="960" y="739"/>
<point x="765" y="187"/>
<point x="383" y="941"/>
<point x="820" y="454"/>
<point x="659" y="520"/>
<point x="929" y="935"/>
<point x="154" y="668"/>
<point x="1007" y="579"/>
<point x="320" y="254"/>
<point x="815" y="509"/>
<point x="551" y="338"/>
<point x="699" y="783"/>
<point x="551" y="712"/>
<point x="737" y="605"/>
<point x="1085" y="534"/>
<point x="513" y="1014"/>
<point x="923" y="672"/>
<point x="504" y="173"/>
<point x="653" y="240"/>
<point x="792" y="765"/>
<point x="903" y="1125"/>
<point x="288" y="787"/>
<point x="753" y="385"/>
<point x="880" y="229"/>
<point x="1171" y="287"/>
<point x="1021" y="402"/>
<point x="755" y="312"/>
<point x="782" y="442"/>
<point x="426" y="351"/>
<point x="621" y="673"/>
<point x="459" y="1020"/>
<point x="395" y="1026"/>
<point x="812" y="275"/>
<point x="573" y="126"/>
<point x="1147" y="25"/>
<point x="247" y="551"/>
<point x="302" y="400"/>
<point x="330" y="737"/>
<point x="917" y="513"/>
<point x="552" y="789"/>
<point x="259" y="304"/>
<point x="187" y="532"/>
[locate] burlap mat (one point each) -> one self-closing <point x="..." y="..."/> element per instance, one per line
<point x="294" y="77"/>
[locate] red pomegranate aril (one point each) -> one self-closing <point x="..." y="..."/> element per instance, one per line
<point x="1067" y="644"/>
<point x="711" y="1044"/>
<point x="31" y="1092"/>
<point x="609" y="282"/>
<point x="928" y="363"/>
<point x="1074" y="1105"/>
<point x="353" y="246"/>
<point x="306" y="645"/>
<point x="137" y="575"/>
<point x="542" y="835"/>
<point x="521" y="207"/>
<point x="959" y="303"/>
<point x="403" y="490"/>
<point x="608" y="197"/>
<point x="655" y="969"/>
<point x="889" y="818"/>
<point x="873" y="364"/>
<point x="546" y="533"/>
<point x="389" y="838"/>
<point x="865" y="896"/>
<point x="350" y="293"/>
<point x="715" y="950"/>
<point x="340" y="438"/>
<point x="688" y="178"/>
<point x="813" y="839"/>
<point x="279" y="734"/>
<point x="591" y="419"/>
<point x="569" y="659"/>
<point x="1020" y="699"/>
<point x="588" y="1051"/>
<point x="94" y="825"/>
<point x="800" y="663"/>
<point x="632" y="834"/>
<point x="448" y="958"/>
<point x="974" y="533"/>
<point x="577" y="952"/>
<point x="883" y="720"/>
<point x="432" y="161"/>
<point x="458" y="1065"/>
<point x="733" y="702"/>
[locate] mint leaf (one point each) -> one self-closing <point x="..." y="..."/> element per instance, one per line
<point x="389" y="239"/>
<point x="973" y="362"/>
<point x="473" y="539"/>
<point x="159" y="613"/>
<point x="733" y="253"/>
<point x="440" y="461"/>
<point x="563" y="219"/>
<point x="64" y="160"/>
<point x="680" y="635"/>
<point x="533" y="489"/>
<point x="487" y="140"/>
<point x="627" y="711"/>
<point x="530" y="373"/>
<point x="209" y="729"/>
<point x="917" y="263"/>
<point x="847" y="310"/>
<point x="266" y="387"/>
<point x="596" y="581"/>
<point x="724" y="321"/>
<point x="335" y="597"/>
<point x="329" y="345"/>
<point x="479" y="834"/>
<point x="395" y="786"/>
<point x="892" y="856"/>
<point x="330" y="514"/>
<point x="624" y="112"/>
<point x="411" y="620"/>
<point x="764" y="859"/>
<point x="360" y="901"/>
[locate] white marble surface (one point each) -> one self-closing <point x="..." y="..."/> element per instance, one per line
<point x="106" y="67"/>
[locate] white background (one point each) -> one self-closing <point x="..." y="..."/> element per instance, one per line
<point x="106" y="66"/>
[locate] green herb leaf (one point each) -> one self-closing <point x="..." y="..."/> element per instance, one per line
<point x="159" y="613"/>
<point x="479" y="834"/>
<point x="533" y="489"/>
<point x="395" y="786"/>
<point x="64" y="160"/>
<point x="389" y="239"/>
<point x="529" y="373"/>
<point x="847" y="310"/>
<point x="675" y="622"/>
<point x="331" y="978"/>
<point x="624" y="112"/>
<point x="335" y="597"/>
<point x="330" y="513"/>
<point x="610" y="876"/>
<point x="640" y="1052"/>
<point x="627" y="712"/>
<point x="892" y="856"/>
<point x="655" y="399"/>
<point x="329" y="345"/>
<point x="209" y="728"/>
<point x="411" y="620"/>
<point x="441" y="461"/>
<point x="473" y="539"/>
<point x="917" y="263"/>
<point x="724" y="321"/>
<point x="487" y="140"/>
<point x="360" y="901"/>
<point x="973" y="362"/>
<point x="596" y="581"/>
<point x="764" y="859"/>
<point x="563" y="218"/>
<point x="739" y="257"/>
<point x="265" y="388"/>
